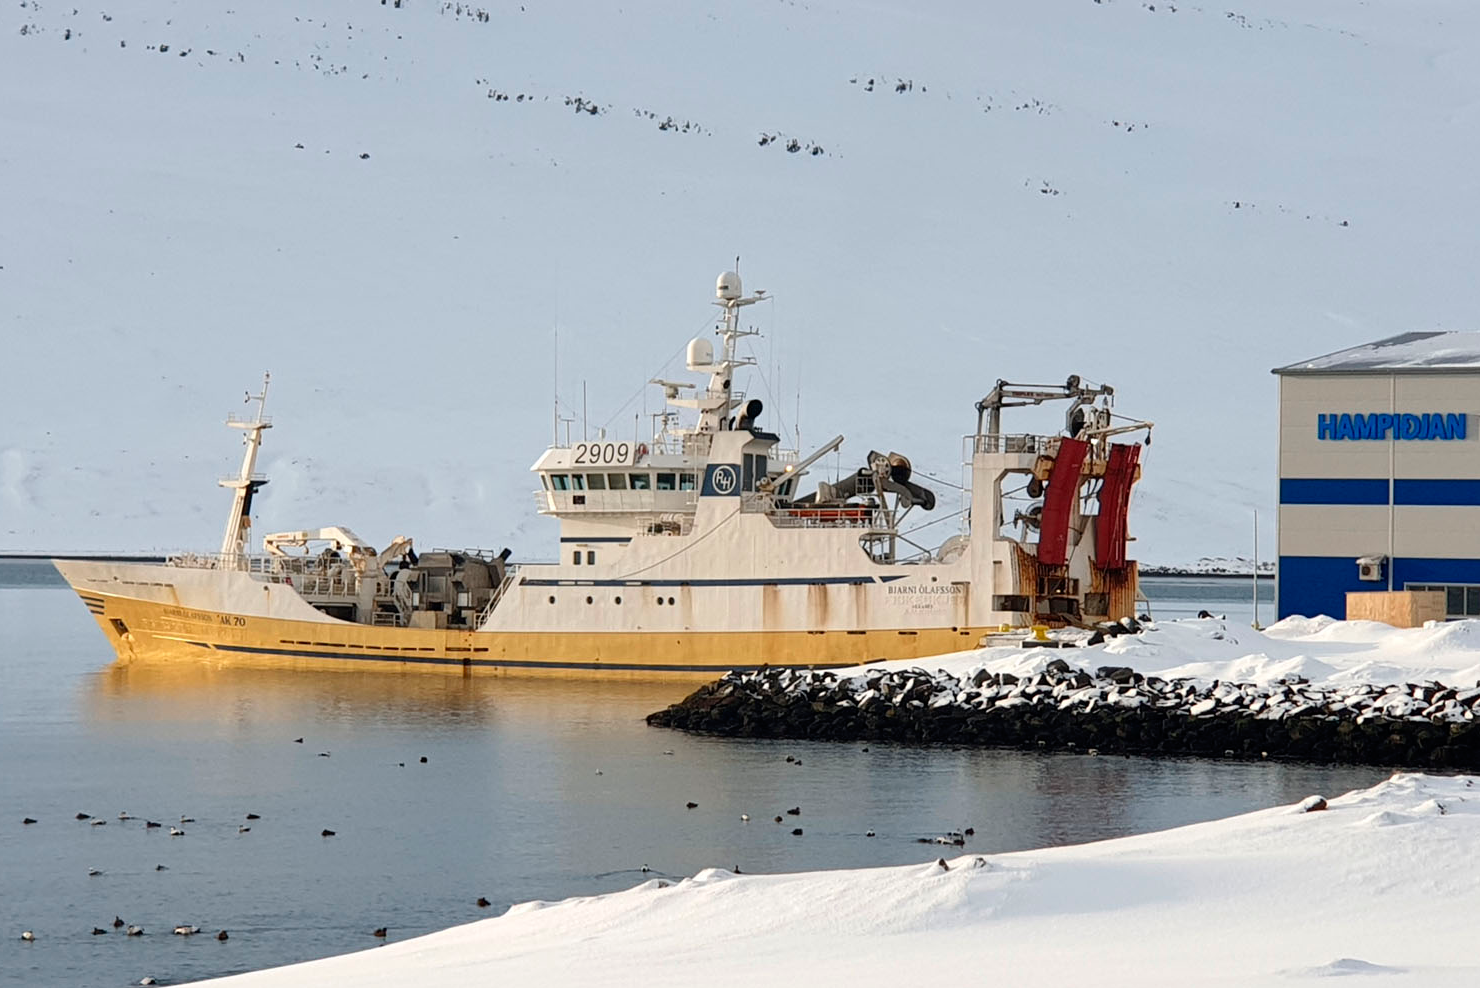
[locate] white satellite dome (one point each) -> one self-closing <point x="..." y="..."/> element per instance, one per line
<point x="727" y="287"/>
<point x="700" y="354"/>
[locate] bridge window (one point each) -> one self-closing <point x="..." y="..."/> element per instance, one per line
<point x="616" y="481"/>
<point x="591" y="557"/>
<point x="641" y="481"/>
<point x="596" y="481"/>
<point x="666" y="482"/>
<point x="575" y="558"/>
<point x="560" y="481"/>
<point x="577" y="482"/>
<point x="686" y="482"/>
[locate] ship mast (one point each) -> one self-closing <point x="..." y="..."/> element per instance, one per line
<point x="247" y="483"/>
<point x="714" y="406"/>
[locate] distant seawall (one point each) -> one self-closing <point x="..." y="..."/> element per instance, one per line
<point x="1112" y="711"/>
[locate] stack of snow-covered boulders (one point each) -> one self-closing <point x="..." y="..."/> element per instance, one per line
<point x="1113" y="710"/>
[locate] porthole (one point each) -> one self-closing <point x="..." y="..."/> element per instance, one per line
<point x="670" y="601"/>
<point x="588" y="600"/>
<point x="619" y="600"/>
<point x="552" y="598"/>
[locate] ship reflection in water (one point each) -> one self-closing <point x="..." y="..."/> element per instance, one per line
<point x="204" y="693"/>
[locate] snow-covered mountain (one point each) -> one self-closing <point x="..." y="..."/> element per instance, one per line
<point x="398" y="207"/>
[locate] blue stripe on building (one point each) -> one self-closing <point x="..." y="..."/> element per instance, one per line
<point x="1301" y="490"/>
<point x="1332" y="490"/>
<point x="1436" y="492"/>
<point x="1312" y="585"/>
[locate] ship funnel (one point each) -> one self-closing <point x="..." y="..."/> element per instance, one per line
<point x="701" y="353"/>
<point x="727" y="287"/>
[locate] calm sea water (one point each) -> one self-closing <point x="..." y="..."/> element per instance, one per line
<point x="529" y="791"/>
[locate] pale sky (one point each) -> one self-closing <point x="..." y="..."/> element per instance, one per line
<point x="1172" y="202"/>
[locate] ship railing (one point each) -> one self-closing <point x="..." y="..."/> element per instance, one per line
<point x="321" y="586"/>
<point x="257" y="565"/>
<point x="498" y="594"/>
<point x="1012" y="443"/>
<point x="309" y="575"/>
<point x="807" y="516"/>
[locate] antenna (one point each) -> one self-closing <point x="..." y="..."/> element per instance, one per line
<point x="555" y="388"/>
<point x="1256" y="570"/>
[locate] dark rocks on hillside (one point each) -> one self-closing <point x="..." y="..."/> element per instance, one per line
<point x="1114" y="711"/>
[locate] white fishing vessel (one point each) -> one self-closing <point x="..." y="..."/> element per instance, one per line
<point x="705" y="549"/>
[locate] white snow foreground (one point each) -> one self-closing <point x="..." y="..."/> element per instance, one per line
<point x="1382" y="882"/>
<point x="1321" y="650"/>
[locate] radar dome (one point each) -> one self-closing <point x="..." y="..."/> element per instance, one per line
<point x="728" y="286"/>
<point x="701" y="353"/>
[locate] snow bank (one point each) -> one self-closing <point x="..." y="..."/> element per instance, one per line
<point x="1381" y="882"/>
<point x="1323" y="651"/>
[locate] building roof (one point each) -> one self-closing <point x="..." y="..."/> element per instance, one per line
<point x="1409" y="353"/>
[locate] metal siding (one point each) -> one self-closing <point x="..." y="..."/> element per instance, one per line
<point x="1436" y="532"/>
<point x="1332" y="530"/>
<point x="1303" y="399"/>
<point x="1312" y="585"/>
<point x="1435" y="571"/>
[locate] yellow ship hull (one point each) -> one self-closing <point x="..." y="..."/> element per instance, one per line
<point x="149" y="630"/>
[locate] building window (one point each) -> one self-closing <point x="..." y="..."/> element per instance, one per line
<point x="1460" y="600"/>
<point x="591" y="557"/>
<point x="575" y="558"/>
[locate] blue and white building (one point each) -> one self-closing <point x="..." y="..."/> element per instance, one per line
<point x="1380" y="473"/>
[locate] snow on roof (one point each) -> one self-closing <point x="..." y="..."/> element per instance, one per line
<point x="1413" y="352"/>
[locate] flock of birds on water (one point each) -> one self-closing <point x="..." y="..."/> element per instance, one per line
<point x="187" y="929"/>
<point x="955" y="838"/>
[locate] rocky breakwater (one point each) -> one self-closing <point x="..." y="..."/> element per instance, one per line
<point x="1111" y="711"/>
